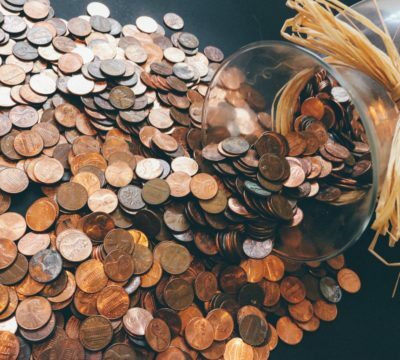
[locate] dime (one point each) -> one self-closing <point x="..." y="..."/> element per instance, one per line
<point x="173" y="21"/>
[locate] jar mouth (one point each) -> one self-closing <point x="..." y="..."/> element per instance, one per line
<point x="359" y="105"/>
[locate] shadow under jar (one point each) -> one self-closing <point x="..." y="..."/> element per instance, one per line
<point x="324" y="150"/>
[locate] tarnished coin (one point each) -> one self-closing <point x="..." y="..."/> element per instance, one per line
<point x="45" y="266"/>
<point x="330" y="289"/>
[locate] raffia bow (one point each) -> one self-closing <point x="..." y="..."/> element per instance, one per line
<point x="317" y="27"/>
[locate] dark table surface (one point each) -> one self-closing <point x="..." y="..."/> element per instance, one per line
<point x="368" y="324"/>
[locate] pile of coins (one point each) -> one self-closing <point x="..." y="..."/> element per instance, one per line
<point x="143" y="245"/>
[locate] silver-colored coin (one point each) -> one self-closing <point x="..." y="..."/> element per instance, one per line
<point x="257" y="249"/>
<point x="330" y="289"/>
<point x="173" y="21"/>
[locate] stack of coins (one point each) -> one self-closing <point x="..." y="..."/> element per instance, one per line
<point x="142" y="245"/>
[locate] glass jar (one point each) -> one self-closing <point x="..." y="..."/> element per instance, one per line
<point x="246" y="90"/>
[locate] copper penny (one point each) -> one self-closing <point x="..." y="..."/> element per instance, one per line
<point x="71" y="196"/>
<point x="12" y="226"/>
<point x="232" y="278"/>
<point x="9" y="346"/>
<point x="13" y="180"/>
<point x="119" y="239"/>
<point x="199" y="333"/>
<point x="33" y="313"/>
<point x="302" y="311"/>
<point x="175" y="259"/>
<point x="203" y="186"/>
<point x="41" y="214"/>
<point x="85" y="303"/>
<point x="153" y="276"/>
<point x="119" y="174"/>
<point x="12" y="304"/>
<point x="118" y="265"/>
<point x="292" y="289"/>
<point x="274" y="268"/>
<point x="4" y="298"/>
<point x="95" y="333"/>
<point x="179" y="183"/>
<point x="8" y="253"/>
<point x="206" y="286"/>
<point x="337" y="262"/>
<point x="23" y="116"/>
<point x="310" y="325"/>
<point x="48" y="171"/>
<point x="158" y="335"/>
<point x="254" y="270"/>
<point x="288" y="331"/>
<point x="90" y="276"/>
<point x="70" y="63"/>
<point x="31" y="243"/>
<point x="88" y="180"/>
<point x="325" y="311"/>
<point x="42" y="333"/>
<point x="178" y="294"/>
<point x="16" y="272"/>
<point x="113" y="302"/>
<point x="222" y="323"/>
<point x="237" y="349"/>
<point x="349" y="280"/>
